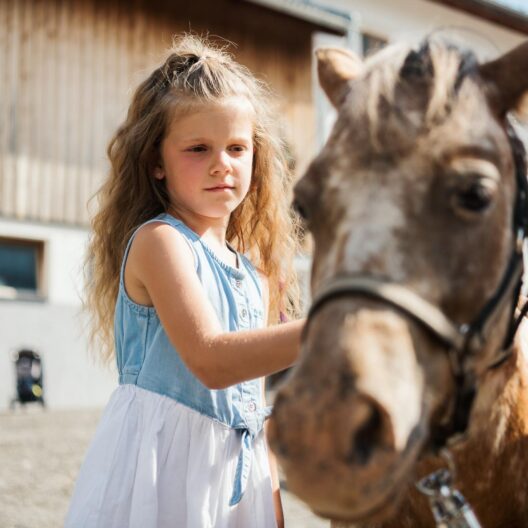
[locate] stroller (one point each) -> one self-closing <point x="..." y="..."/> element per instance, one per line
<point x="28" y="368"/>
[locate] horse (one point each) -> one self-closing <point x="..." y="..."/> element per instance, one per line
<point x="417" y="205"/>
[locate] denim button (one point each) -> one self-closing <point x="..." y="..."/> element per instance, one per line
<point x="244" y="312"/>
<point x="238" y="283"/>
<point x="252" y="406"/>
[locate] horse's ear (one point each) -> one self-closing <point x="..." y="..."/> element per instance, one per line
<point x="335" y="67"/>
<point x="508" y="77"/>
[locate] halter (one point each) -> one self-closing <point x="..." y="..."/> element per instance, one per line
<point x="460" y="341"/>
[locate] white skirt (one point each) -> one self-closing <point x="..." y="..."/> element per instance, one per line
<point x="155" y="463"/>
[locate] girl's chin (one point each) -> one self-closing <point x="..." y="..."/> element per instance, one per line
<point x="217" y="213"/>
<point x="222" y="211"/>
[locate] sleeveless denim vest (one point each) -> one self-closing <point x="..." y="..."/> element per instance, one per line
<point x="146" y="358"/>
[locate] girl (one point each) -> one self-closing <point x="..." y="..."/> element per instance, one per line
<point x="197" y="182"/>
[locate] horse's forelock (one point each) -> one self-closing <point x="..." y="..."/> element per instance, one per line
<point x="436" y="66"/>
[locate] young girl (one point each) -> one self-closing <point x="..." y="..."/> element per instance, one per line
<point x="198" y="181"/>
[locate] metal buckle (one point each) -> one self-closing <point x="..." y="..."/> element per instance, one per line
<point x="519" y="240"/>
<point x="450" y="509"/>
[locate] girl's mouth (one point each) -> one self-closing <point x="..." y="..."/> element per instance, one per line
<point x="219" y="188"/>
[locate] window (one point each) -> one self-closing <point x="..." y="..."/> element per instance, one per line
<point x="21" y="268"/>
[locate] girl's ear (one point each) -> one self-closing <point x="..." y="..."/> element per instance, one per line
<point x="159" y="172"/>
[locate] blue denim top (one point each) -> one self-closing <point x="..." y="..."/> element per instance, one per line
<point x="146" y="358"/>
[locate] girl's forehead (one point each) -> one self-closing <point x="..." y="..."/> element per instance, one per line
<point x="229" y="113"/>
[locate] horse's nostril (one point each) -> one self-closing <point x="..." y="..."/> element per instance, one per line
<point x="367" y="438"/>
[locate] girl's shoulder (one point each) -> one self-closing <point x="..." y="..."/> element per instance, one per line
<point x="158" y="239"/>
<point x="162" y="230"/>
<point x="152" y="246"/>
<point x="169" y="220"/>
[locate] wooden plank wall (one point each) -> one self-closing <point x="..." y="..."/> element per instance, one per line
<point x="67" y="69"/>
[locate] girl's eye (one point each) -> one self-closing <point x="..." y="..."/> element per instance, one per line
<point x="197" y="148"/>
<point x="237" y="148"/>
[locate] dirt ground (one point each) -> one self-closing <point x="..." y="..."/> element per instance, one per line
<point x="40" y="455"/>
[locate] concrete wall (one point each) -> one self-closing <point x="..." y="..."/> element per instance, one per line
<point x="53" y="327"/>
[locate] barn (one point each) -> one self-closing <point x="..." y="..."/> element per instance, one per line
<point x="67" y="68"/>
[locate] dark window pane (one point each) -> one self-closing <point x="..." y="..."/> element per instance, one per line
<point x="18" y="266"/>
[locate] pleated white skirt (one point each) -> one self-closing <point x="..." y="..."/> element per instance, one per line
<point x="155" y="463"/>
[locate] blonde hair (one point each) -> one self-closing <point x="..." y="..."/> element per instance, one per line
<point x="195" y="72"/>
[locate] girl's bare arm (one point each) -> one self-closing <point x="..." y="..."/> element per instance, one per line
<point x="161" y="261"/>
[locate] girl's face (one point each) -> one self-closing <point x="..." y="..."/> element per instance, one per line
<point x="207" y="158"/>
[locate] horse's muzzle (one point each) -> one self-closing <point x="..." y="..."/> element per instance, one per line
<point x="346" y="425"/>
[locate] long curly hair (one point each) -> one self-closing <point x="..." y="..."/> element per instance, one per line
<point x="195" y="72"/>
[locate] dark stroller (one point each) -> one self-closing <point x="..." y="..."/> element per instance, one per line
<point x="28" y="368"/>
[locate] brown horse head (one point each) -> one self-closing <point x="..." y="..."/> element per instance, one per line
<point x="415" y="187"/>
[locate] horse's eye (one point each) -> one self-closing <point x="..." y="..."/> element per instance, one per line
<point x="475" y="198"/>
<point x="300" y="209"/>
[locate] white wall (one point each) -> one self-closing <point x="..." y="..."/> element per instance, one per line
<point x="53" y="327"/>
<point x="410" y="20"/>
<point x="71" y="377"/>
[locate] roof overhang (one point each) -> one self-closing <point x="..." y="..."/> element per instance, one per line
<point x="491" y="11"/>
<point x="332" y="20"/>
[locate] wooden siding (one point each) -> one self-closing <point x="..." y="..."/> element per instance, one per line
<point x="67" y="69"/>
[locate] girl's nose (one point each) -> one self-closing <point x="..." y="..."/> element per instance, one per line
<point x="221" y="163"/>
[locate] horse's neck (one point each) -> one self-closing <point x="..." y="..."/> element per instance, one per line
<point x="492" y="463"/>
<point x="500" y="410"/>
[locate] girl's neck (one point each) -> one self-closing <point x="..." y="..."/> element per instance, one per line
<point x="212" y="230"/>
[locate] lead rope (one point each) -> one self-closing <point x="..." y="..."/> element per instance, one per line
<point x="448" y="506"/>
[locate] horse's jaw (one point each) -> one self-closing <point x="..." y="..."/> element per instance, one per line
<point x="381" y="505"/>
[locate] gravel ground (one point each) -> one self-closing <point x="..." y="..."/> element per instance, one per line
<point x="40" y="455"/>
